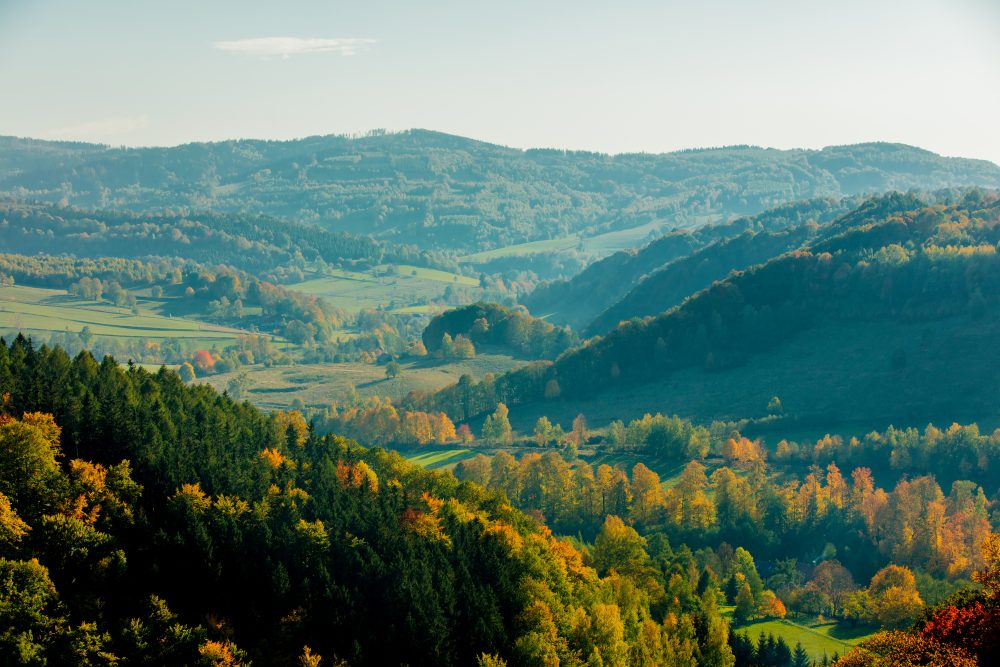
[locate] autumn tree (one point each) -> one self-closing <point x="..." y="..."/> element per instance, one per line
<point x="647" y="494"/>
<point x="894" y="597"/>
<point x="619" y="547"/>
<point x="496" y="427"/>
<point x="186" y="372"/>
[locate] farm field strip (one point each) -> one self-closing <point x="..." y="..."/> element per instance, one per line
<point x="43" y="310"/>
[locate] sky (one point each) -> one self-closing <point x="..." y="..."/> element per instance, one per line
<point x="611" y="76"/>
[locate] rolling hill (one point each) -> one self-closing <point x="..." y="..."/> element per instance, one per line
<point x="766" y="237"/>
<point x="450" y="193"/>
<point x="578" y="300"/>
<point x="867" y="324"/>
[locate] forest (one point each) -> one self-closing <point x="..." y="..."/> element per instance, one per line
<point x="443" y="192"/>
<point x="148" y="522"/>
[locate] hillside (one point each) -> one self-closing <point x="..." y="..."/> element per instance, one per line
<point x="452" y="193"/>
<point x="149" y="523"/>
<point x="866" y="324"/>
<point x="671" y="285"/>
<point x="252" y="243"/>
<point x="577" y="301"/>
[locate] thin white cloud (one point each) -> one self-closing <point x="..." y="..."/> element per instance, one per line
<point x="100" y="130"/>
<point x="285" y="47"/>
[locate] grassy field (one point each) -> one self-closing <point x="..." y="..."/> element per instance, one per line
<point x="531" y="248"/>
<point x="819" y="638"/>
<point x="598" y="245"/>
<point x="316" y="385"/>
<point x="46" y="311"/>
<point x="406" y="291"/>
<point x="439" y="458"/>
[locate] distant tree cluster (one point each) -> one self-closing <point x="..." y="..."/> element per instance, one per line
<point x="493" y="324"/>
<point x="665" y="437"/>
<point x="378" y="422"/>
<point x="960" y="451"/>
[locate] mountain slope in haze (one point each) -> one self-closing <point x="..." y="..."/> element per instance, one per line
<point x="664" y="289"/>
<point x="893" y="310"/>
<point x="578" y="300"/>
<point x="678" y="280"/>
<point x="447" y="192"/>
<point x="252" y="243"/>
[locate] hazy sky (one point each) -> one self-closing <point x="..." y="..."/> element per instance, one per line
<point x="614" y="76"/>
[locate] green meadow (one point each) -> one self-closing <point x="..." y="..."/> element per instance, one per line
<point x="818" y="637"/>
<point x="400" y="288"/>
<point x="40" y="311"/>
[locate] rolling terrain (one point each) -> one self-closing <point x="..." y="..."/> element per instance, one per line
<point x="450" y="193"/>
<point x="865" y="325"/>
<point x="578" y="300"/>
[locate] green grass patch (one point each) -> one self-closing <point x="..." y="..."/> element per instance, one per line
<point x="562" y="243"/>
<point x="317" y="385"/>
<point x="46" y="311"/>
<point x="407" y="290"/>
<point x="817" y="637"/>
<point x="441" y="458"/>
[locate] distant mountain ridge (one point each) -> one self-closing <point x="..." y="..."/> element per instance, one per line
<point x="446" y="192"/>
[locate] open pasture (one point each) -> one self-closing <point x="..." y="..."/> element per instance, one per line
<point x="46" y="311"/>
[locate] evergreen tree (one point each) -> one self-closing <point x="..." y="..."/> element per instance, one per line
<point x="800" y="658"/>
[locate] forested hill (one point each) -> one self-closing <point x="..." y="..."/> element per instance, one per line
<point x="145" y="522"/>
<point x="252" y="243"/>
<point x="763" y="237"/>
<point x="448" y="192"/>
<point x="678" y="280"/>
<point x="882" y="315"/>
<point x="493" y="324"/>
<point x="578" y="300"/>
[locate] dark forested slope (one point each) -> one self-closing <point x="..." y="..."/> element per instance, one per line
<point x="448" y="192"/>
<point x="916" y="289"/>
<point x="577" y="301"/>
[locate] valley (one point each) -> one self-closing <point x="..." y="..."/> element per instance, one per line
<point x="721" y="412"/>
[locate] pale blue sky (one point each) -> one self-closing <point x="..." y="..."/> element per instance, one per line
<point x="614" y="76"/>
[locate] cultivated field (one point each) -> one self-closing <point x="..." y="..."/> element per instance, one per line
<point x="316" y="385"/>
<point x="43" y="312"/>
<point x="406" y="290"/>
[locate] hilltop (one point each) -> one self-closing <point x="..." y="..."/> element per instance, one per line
<point x="451" y="193"/>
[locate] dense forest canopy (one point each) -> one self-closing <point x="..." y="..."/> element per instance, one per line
<point x="146" y="522"/>
<point x="447" y="192"/>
